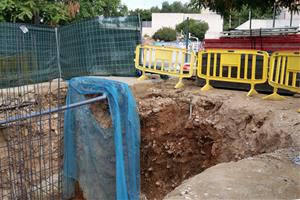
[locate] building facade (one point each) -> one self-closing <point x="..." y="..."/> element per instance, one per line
<point x="159" y="20"/>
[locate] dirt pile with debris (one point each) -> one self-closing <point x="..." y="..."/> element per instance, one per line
<point x="186" y="131"/>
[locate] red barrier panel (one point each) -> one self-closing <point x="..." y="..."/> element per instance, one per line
<point x="265" y="43"/>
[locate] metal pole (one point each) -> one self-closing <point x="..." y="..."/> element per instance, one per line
<point x="51" y="111"/>
<point x="187" y="38"/>
<point x="250" y="19"/>
<point x="58" y="52"/>
<point x="291" y="22"/>
<point x="274" y="15"/>
<point x="141" y="28"/>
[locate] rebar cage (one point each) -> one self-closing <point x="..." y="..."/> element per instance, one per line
<point x="30" y="147"/>
<point x="33" y="61"/>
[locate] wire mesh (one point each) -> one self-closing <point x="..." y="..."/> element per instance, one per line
<point x="99" y="46"/>
<point x="30" y="149"/>
<point x="33" y="59"/>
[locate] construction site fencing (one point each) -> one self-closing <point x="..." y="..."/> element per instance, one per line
<point x="33" y="61"/>
<point x="165" y="61"/>
<point x="239" y="66"/>
<point x="284" y="73"/>
<point x="98" y="46"/>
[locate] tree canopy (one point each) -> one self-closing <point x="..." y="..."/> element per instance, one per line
<point x="196" y="28"/>
<point x="166" y="7"/>
<point x="55" y="12"/>
<point x="224" y="7"/>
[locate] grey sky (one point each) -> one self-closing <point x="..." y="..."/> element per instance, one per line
<point x="133" y="4"/>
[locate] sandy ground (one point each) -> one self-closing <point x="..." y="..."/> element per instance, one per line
<point x="267" y="176"/>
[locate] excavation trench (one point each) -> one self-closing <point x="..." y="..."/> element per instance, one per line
<point x="184" y="132"/>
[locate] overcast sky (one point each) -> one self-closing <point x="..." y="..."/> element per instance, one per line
<point x="133" y="4"/>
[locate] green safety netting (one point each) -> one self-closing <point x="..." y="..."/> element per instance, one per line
<point x="27" y="54"/>
<point x="99" y="46"/>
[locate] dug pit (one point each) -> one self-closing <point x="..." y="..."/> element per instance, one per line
<point x="185" y="131"/>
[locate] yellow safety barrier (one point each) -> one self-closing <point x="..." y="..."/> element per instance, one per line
<point x="165" y="61"/>
<point x="284" y="73"/>
<point x="239" y="66"/>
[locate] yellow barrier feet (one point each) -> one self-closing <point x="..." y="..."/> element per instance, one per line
<point x="143" y="77"/>
<point x="206" y="87"/>
<point x="274" y="97"/>
<point x="179" y="84"/>
<point x="252" y="92"/>
<point x="299" y="110"/>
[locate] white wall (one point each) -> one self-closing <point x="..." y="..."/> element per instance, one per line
<point x="286" y="14"/>
<point x="268" y="23"/>
<point x="160" y="20"/>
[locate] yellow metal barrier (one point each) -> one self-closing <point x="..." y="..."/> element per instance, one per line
<point x="239" y="66"/>
<point x="165" y="61"/>
<point x="284" y="73"/>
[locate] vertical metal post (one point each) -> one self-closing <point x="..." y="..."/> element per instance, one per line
<point x="187" y="38"/>
<point x="291" y="20"/>
<point x="58" y="52"/>
<point x="250" y="19"/>
<point x="141" y="28"/>
<point x="274" y="14"/>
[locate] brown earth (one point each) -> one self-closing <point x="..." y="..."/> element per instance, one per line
<point x="186" y="131"/>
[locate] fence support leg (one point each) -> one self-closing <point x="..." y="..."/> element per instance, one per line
<point x="179" y="84"/>
<point x="252" y="91"/>
<point x="274" y="96"/>
<point x="207" y="86"/>
<point x="143" y="77"/>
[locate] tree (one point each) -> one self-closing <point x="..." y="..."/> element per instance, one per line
<point x="145" y="14"/>
<point x="165" y="33"/>
<point x="225" y="7"/>
<point x="240" y="16"/>
<point x="55" y="12"/>
<point x="196" y="28"/>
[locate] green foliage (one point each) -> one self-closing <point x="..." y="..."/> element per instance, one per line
<point x="196" y="28"/>
<point x="175" y="7"/>
<point x="55" y="12"/>
<point x="92" y="8"/>
<point x="225" y="7"/>
<point x="165" y="34"/>
<point x="145" y="14"/>
<point x="29" y="11"/>
<point x="238" y="17"/>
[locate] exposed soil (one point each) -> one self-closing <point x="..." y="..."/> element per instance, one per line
<point x="185" y="131"/>
<point x="36" y="142"/>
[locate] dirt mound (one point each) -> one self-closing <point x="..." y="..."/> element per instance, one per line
<point x="185" y="131"/>
<point x="267" y="176"/>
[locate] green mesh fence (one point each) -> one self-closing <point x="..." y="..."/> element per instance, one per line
<point x="27" y="54"/>
<point x="99" y="46"/>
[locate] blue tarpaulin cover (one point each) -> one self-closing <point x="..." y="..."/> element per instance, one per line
<point x="104" y="161"/>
